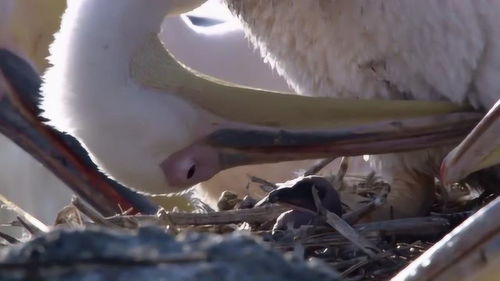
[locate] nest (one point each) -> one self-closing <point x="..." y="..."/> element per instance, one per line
<point x="357" y="251"/>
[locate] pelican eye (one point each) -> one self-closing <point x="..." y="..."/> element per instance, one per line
<point x="191" y="172"/>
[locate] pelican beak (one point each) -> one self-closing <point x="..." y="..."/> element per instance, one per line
<point x="264" y="145"/>
<point x="261" y="127"/>
<point x="479" y="150"/>
<point x="243" y="144"/>
<point x="20" y="121"/>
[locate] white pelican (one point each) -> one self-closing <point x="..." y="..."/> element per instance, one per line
<point x="37" y="190"/>
<point x="228" y="56"/>
<point x="156" y="127"/>
<point x="28" y="183"/>
<point x="426" y="50"/>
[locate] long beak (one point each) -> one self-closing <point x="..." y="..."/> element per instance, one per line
<point x="479" y="150"/>
<point x="20" y="121"/>
<point x="260" y="126"/>
<point x="244" y="144"/>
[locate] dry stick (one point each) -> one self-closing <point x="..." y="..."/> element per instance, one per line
<point x="344" y="228"/>
<point x="360" y="264"/>
<point x="264" y="184"/>
<point x="8" y="238"/>
<point x="330" y="240"/>
<point x="255" y="215"/>
<point x="164" y="219"/>
<point x="411" y="226"/>
<point x="90" y="213"/>
<point x="348" y="232"/>
<point x="130" y="221"/>
<point x="348" y="263"/>
<point x="31" y="228"/>
<point x="417" y="226"/>
<point x="339" y="179"/>
<point x="28" y="219"/>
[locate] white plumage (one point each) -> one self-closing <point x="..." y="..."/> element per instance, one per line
<point x="26" y="182"/>
<point x="428" y="50"/>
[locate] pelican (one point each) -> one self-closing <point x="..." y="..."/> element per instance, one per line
<point x="479" y="150"/>
<point x="425" y="50"/>
<point x="222" y="55"/>
<point x="158" y="127"/>
<point x="29" y="34"/>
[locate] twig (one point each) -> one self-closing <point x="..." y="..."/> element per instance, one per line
<point x="255" y="215"/>
<point x="325" y="240"/>
<point x="348" y="263"/>
<point x="164" y="219"/>
<point x="344" y="228"/>
<point x="481" y="228"/>
<point x="30" y="227"/>
<point x="339" y="179"/>
<point x="8" y="238"/>
<point x="27" y="218"/>
<point x="347" y="231"/>
<point x="319" y="166"/>
<point x="410" y="226"/>
<point x="362" y="263"/>
<point x="90" y="213"/>
<point x="265" y="185"/>
<point x="130" y="222"/>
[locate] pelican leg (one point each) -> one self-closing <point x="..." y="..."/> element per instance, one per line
<point x="62" y="154"/>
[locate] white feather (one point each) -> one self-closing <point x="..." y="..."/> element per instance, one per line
<point x="389" y="49"/>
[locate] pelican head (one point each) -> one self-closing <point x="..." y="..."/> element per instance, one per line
<point x="158" y="127"/>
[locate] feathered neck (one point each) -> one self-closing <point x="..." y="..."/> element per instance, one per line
<point x="92" y="51"/>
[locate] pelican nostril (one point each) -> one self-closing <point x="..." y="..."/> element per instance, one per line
<point x="191" y="172"/>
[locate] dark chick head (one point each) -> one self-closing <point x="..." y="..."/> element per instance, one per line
<point x="299" y="196"/>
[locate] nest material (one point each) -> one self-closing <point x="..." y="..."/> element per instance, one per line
<point x="369" y="251"/>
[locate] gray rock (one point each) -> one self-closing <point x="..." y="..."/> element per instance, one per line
<point x="151" y="254"/>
